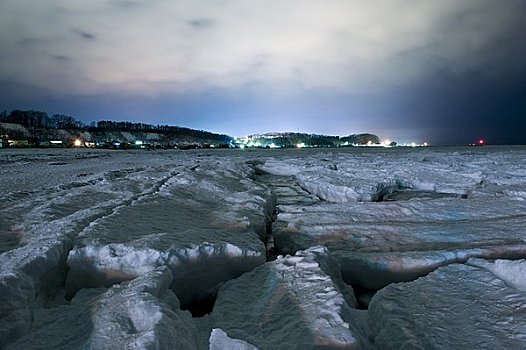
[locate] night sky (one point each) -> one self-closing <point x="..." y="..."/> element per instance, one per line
<point x="444" y="71"/>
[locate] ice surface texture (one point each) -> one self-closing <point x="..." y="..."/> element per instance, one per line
<point x="380" y="243"/>
<point x="141" y="314"/>
<point x="105" y="249"/>
<point x="111" y="217"/>
<point x="219" y="340"/>
<point x="454" y="307"/>
<point x="466" y="209"/>
<point x="206" y="223"/>
<point x="289" y="303"/>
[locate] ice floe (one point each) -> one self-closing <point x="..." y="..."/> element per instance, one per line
<point x="140" y="314"/>
<point x="295" y="301"/>
<point x="208" y="227"/>
<point x="455" y="307"/>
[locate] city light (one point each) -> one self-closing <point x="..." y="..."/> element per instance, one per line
<point x="289" y="140"/>
<point x="77" y="143"/>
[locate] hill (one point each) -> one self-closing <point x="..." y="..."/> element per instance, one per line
<point x="292" y="139"/>
<point x="36" y="128"/>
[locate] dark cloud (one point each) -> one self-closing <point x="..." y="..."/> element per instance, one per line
<point x="83" y="34"/>
<point x="61" y="58"/>
<point x="201" y="23"/>
<point x="125" y="3"/>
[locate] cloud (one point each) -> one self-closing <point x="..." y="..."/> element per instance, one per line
<point x="286" y="46"/>
<point x="83" y="34"/>
<point x="61" y="58"/>
<point x="201" y="23"/>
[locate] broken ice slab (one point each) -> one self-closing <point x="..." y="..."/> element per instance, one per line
<point x="380" y="243"/>
<point x="349" y="179"/>
<point x="366" y="175"/>
<point x="29" y="275"/>
<point x="140" y="314"/>
<point x="198" y="270"/>
<point x="454" y="307"/>
<point x="63" y="327"/>
<point x="438" y="210"/>
<point x="376" y="270"/>
<point x="207" y="224"/>
<point x="295" y="301"/>
<point x="46" y="221"/>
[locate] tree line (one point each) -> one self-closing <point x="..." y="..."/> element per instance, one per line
<point x="38" y="120"/>
<point x="168" y="130"/>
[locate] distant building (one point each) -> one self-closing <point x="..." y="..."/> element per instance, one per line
<point x="56" y="143"/>
<point x="18" y="143"/>
<point x="50" y="143"/>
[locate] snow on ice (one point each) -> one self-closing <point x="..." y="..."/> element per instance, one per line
<point x="219" y="340"/>
<point x="107" y="249"/>
<point x="289" y="303"/>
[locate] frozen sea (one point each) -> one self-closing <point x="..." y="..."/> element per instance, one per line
<point x="349" y="248"/>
